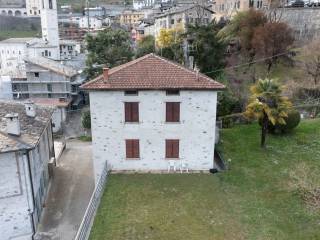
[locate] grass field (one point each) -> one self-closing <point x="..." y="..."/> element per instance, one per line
<point x="18" y="34"/>
<point x="258" y="198"/>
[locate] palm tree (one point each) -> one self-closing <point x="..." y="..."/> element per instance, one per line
<point x="268" y="105"/>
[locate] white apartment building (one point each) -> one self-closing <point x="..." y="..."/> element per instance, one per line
<point x="151" y="112"/>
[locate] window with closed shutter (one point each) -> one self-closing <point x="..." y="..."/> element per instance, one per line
<point x="172" y="148"/>
<point x="131" y="111"/>
<point x="132" y="148"/>
<point x="172" y="112"/>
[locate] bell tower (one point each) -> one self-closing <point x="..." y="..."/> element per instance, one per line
<point x="49" y="23"/>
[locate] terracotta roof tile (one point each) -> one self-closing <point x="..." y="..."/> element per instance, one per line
<point x="152" y="72"/>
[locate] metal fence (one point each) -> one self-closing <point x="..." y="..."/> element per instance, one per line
<point x="87" y="221"/>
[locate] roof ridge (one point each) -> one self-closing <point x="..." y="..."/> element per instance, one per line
<point x="185" y="68"/>
<point x="135" y="61"/>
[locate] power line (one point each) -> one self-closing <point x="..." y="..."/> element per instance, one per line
<point x="248" y="63"/>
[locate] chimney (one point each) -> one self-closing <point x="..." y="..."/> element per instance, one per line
<point x="105" y="74"/>
<point x="13" y="124"/>
<point x="30" y="109"/>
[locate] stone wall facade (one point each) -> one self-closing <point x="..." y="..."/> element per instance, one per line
<point x="195" y="131"/>
<point x="304" y="21"/>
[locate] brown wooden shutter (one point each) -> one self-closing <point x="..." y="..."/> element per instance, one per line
<point x="175" y="148"/>
<point x="136" y="150"/>
<point x="172" y="148"/>
<point x="132" y="148"/>
<point x="135" y="112"/>
<point x="131" y="111"/>
<point x="168" y="149"/>
<point x="176" y="112"/>
<point x="172" y="112"/>
<point x="128" y="149"/>
<point x="169" y="112"/>
<point x="127" y="112"/>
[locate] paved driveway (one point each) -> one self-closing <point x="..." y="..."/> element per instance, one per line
<point x="69" y="194"/>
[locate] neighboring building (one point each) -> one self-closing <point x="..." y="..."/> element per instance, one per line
<point x="47" y="79"/>
<point x="69" y="49"/>
<point x="26" y="8"/>
<point x="140" y="4"/>
<point x="95" y="12"/>
<point x="60" y="106"/>
<point x="14" y="50"/>
<point x="145" y="28"/>
<point x="228" y="8"/>
<point x="34" y="64"/>
<point x="33" y="7"/>
<point x="180" y="17"/>
<point x="5" y="88"/>
<point x="157" y="110"/>
<point x="131" y="17"/>
<point x="94" y="22"/>
<point x="26" y="153"/>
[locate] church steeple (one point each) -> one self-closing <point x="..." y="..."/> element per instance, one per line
<point x="49" y="23"/>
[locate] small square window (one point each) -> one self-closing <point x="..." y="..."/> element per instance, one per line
<point x="36" y="74"/>
<point x="131" y="93"/>
<point x="172" y="92"/>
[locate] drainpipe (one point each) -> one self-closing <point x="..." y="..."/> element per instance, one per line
<point x="32" y="195"/>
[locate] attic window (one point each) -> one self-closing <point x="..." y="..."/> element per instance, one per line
<point x="172" y="92"/>
<point x="36" y="74"/>
<point x="131" y="93"/>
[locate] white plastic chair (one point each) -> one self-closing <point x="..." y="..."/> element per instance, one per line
<point x="171" y="165"/>
<point x="184" y="167"/>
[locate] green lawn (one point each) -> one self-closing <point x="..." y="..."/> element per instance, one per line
<point x="18" y="34"/>
<point x="256" y="199"/>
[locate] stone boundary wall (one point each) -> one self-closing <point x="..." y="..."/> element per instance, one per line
<point x="304" y="21"/>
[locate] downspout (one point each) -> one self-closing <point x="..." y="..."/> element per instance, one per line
<point x="32" y="195"/>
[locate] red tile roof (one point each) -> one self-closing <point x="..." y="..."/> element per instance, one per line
<point x="152" y="72"/>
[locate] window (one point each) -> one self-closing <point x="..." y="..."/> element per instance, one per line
<point x="172" y="92"/>
<point x="46" y="53"/>
<point x="172" y="112"/>
<point x="131" y="111"/>
<point x="132" y="148"/>
<point x="36" y="74"/>
<point x="172" y="148"/>
<point x="172" y="21"/>
<point x="131" y="93"/>
<point x="50" y="4"/>
<point x="49" y="54"/>
<point x="49" y="87"/>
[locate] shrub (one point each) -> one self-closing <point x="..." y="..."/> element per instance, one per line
<point x="292" y="121"/>
<point x="86" y="120"/>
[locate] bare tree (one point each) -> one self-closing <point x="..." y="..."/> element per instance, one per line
<point x="311" y="55"/>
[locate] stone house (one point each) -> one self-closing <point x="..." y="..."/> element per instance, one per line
<point x="131" y="17"/>
<point x="26" y="151"/>
<point x="226" y="9"/>
<point x="151" y="111"/>
<point x="180" y="17"/>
